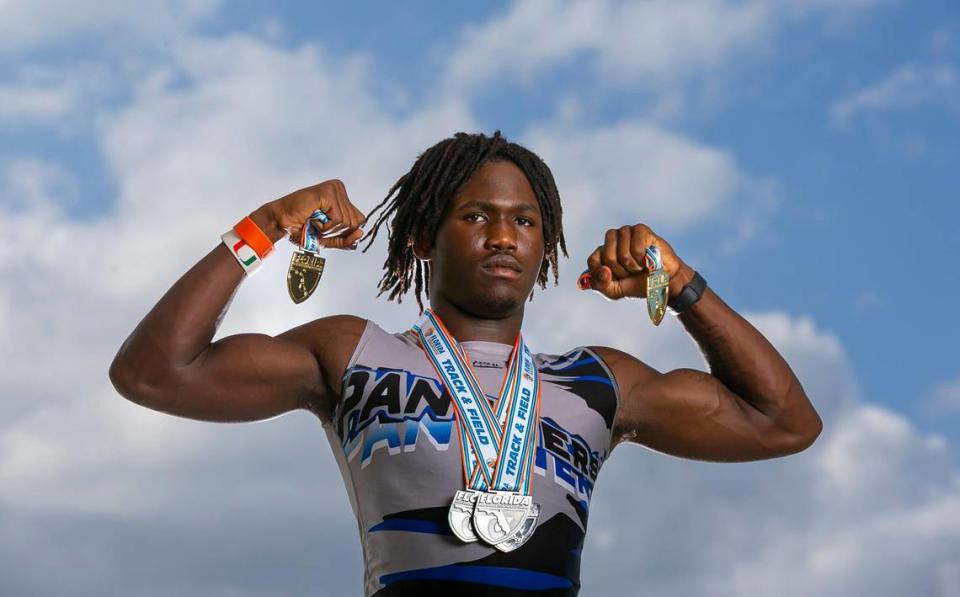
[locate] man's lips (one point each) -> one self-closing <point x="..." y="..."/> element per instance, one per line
<point x="502" y="265"/>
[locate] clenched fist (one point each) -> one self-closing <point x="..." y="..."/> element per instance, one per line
<point x="288" y="214"/>
<point x="616" y="268"/>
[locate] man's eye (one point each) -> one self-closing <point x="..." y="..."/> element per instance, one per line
<point x="473" y="214"/>
<point x="527" y="220"/>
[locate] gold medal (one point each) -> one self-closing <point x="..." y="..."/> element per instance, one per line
<point x="658" y="285"/>
<point x="306" y="266"/>
<point x="303" y="275"/>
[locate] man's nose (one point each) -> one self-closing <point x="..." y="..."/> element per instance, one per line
<point x="501" y="234"/>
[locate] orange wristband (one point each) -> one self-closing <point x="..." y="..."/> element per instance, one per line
<point x="251" y="234"/>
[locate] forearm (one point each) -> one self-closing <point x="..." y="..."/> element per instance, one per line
<point x="744" y="360"/>
<point x="183" y="322"/>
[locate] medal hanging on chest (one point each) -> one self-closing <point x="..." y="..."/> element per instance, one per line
<point x="306" y="265"/>
<point x="658" y="284"/>
<point x="498" y="448"/>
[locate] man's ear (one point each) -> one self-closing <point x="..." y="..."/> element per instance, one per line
<point x="421" y="249"/>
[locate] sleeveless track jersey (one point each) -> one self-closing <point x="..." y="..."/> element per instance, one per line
<point x="394" y="436"/>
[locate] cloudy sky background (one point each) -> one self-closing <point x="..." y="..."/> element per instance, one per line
<point x="800" y="154"/>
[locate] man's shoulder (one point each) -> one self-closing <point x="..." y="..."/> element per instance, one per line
<point x="340" y="337"/>
<point x="613" y="356"/>
<point x="338" y="328"/>
<point x="334" y="339"/>
<point x="627" y="369"/>
<point x="604" y="354"/>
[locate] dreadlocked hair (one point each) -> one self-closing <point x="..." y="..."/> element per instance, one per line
<point x="424" y="192"/>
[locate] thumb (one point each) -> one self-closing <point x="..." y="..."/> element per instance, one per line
<point x="601" y="279"/>
<point x="592" y="280"/>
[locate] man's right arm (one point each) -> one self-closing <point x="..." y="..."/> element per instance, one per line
<point x="169" y="364"/>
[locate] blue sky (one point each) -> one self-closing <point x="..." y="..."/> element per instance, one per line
<point x="801" y="155"/>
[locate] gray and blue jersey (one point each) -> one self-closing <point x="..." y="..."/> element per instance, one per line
<point x="395" y="439"/>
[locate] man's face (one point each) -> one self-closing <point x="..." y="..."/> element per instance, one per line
<point x="495" y="215"/>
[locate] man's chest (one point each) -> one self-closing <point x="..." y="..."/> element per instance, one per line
<point x="405" y="415"/>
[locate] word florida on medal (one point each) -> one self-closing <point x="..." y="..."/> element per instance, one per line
<point x="498" y="448"/>
<point x="306" y="266"/>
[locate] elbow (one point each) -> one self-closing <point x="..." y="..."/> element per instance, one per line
<point x="130" y="383"/>
<point x="803" y="436"/>
<point x="121" y="378"/>
<point x="799" y="423"/>
<point x="811" y="436"/>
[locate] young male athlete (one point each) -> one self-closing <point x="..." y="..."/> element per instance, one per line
<point x="454" y="495"/>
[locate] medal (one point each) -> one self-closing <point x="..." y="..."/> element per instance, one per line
<point x="497" y="448"/>
<point x="460" y="515"/>
<point x="658" y="284"/>
<point x="498" y="515"/>
<point x="523" y="533"/>
<point x="306" y="266"/>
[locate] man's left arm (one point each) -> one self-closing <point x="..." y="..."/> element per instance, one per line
<point x="749" y="407"/>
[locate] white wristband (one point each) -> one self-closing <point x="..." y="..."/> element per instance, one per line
<point x="244" y="253"/>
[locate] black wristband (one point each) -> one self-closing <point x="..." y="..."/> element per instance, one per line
<point x="690" y="294"/>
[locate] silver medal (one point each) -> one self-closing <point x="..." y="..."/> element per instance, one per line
<point x="524" y="532"/>
<point x="460" y="515"/>
<point x="497" y="447"/>
<point x="499" y="514"/>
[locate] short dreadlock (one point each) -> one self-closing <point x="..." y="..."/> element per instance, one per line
<point x="433" y="181"/>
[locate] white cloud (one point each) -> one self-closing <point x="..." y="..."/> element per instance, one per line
<point x="635" y="170"/>
<point x="34" y="102"/>
<point x="284" y="119"/>
<point x="29" y="24"/>
<point x="632" y="172"/>
<point x="32" y="184"/>
<point x="910" y="86"/>
<point x="534" y="35"/>
<point x="663" y="41"/>
<point x="62" y="95"/>
<point x="653" y="44"/>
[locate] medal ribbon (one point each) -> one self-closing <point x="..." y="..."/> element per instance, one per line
<point x="497" y="448"/>
<point x="651" y="258"/>
<point x="309" y="236"/>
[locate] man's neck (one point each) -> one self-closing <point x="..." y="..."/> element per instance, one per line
<point x="466" y="327"/>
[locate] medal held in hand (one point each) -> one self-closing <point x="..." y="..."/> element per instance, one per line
<point x="306" y="266"/>
<point x="658" y="284"/>
<point x="497" y="449"/>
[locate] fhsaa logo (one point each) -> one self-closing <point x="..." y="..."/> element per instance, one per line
<point x="498" y="515"/>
